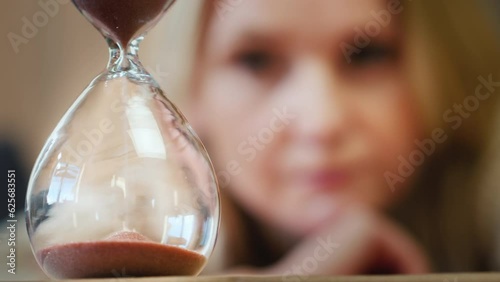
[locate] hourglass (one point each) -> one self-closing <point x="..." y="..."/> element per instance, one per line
<point x="123" y="186"/>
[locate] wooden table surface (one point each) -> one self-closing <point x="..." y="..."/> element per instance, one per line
<point x="451" y="277"/>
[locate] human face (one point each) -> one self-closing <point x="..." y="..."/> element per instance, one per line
<point x="296" y="128"/>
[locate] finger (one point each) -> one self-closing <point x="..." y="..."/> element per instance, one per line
<point x="344" y="248"/>
<point x="398" y="247"/>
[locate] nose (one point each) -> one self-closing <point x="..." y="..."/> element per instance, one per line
<point x="318" y="103"/>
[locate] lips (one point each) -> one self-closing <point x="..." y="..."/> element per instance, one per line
<point x="324" y="179"/>
<point x="317" y="169"/>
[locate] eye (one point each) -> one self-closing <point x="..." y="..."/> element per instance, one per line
<point x="256" y="61"/>
<point x="372" y="54"/>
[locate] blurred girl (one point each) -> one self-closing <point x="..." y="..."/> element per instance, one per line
<point x="348" y="135"/>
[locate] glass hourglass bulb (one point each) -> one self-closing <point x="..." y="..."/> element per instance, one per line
<point x="122" y="186"/>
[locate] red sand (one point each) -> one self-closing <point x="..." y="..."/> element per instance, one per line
<point x="121" y="19"/>
<point x="122" y="254"/>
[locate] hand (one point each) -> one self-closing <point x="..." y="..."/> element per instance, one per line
<point x="358" y="241"/>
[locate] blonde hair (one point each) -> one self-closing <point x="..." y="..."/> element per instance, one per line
<point x="453" y="45"/>
<point x="450" y="45"/>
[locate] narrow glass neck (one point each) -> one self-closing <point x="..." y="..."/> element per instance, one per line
<point x="125" y="60"/>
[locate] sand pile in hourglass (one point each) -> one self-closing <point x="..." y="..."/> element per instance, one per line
<point x="125" y="254"/>
<point x="99" y="215"/>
